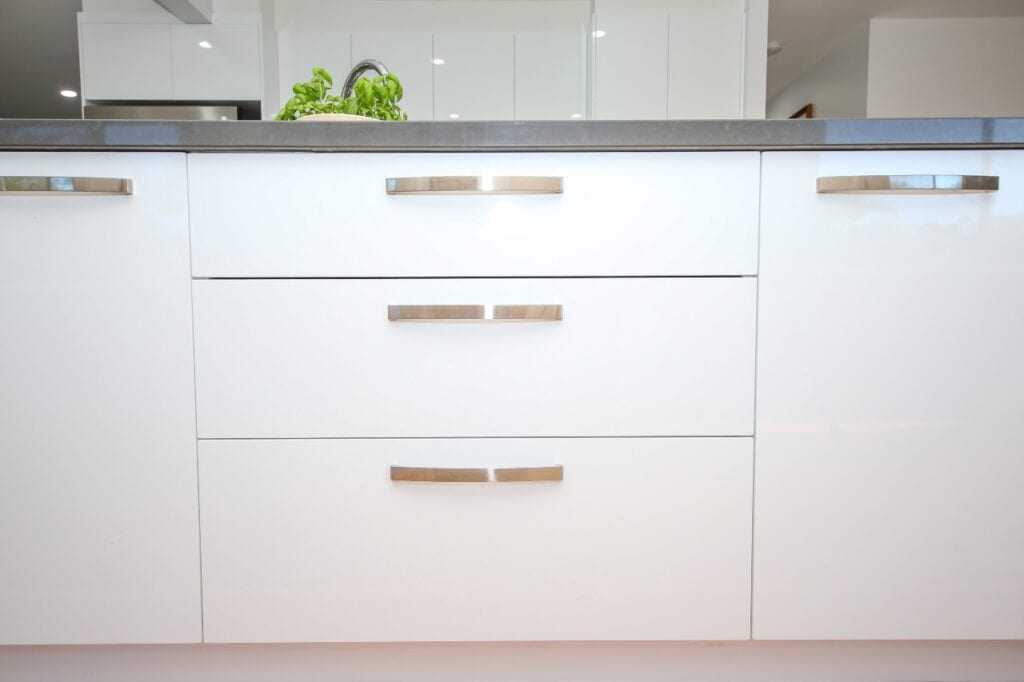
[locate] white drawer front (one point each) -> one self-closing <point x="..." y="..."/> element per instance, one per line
<point x="320" y="358"/>
<point x="302" y="215"/>
<point x="307" y="541"/>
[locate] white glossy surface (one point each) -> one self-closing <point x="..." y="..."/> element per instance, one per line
<point x="551" y="75"/>
<point x="304" y="358"/>
<point x="310" y="541"/>
<point x="621" y="214"/>
<point x="125" y="61"/>
<point x="631" y="65"/>
<point x="476" y="81"/>
<point x="889" y="469"/>
<point x="408" y="55"/>
<point x="228" y="70"/>
<point x="705" y="65"/>
<point x="98" y="501"/>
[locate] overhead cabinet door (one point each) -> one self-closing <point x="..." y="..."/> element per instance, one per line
<point x="889" y="459"/>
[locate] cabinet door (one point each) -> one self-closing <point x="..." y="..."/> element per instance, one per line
<point x="310" y="540"/>
<point x="216" y="62"/>
<point x="631" y="65"/>
<point x="889" y="467"/>
<point x="551" y="75"/>
<point x="126" y="61"/>
<point x="476" y="81"/>
<point x="98" y="501"/>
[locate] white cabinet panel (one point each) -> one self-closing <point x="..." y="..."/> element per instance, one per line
<point x="299" y="51"/>
<point x="551" y="75"/>
<point x="638" y="356"/>
<point x="620" y="214"/>
<point x="408" y="55"/>
<point x="631" y="64"/>
<point x="889" y="468"/>
<point x="228" y="69"/>
<point x="126" y="61"/>
<point x="98" y="501"/>
<point x="309" y="541"/>
<point x="705" y="65"/>
<point x="476" y="81"/>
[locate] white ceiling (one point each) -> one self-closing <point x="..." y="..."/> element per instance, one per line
<point x="808" y="29"/>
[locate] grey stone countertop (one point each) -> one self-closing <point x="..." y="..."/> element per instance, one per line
<point x="94" y="135"/>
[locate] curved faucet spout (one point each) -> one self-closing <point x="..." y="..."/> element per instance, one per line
<point x="358" y="70"/>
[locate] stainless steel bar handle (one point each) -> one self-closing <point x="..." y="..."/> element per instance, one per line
<point x="908" y="184"/>
<point x="59" y="185"/>
<point x="552" y="472"/>
<point x="548" y="312"/>
<point x="475" y="184"/>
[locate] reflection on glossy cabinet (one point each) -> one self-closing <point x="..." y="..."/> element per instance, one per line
<point x="889" y="468"/>
<point x="216" y="62"/>
<point x="476" y="81"/>
<point x="98" y="500"/>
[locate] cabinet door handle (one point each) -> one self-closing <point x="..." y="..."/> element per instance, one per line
<point x="477" y="475"/>
<point x="475" y="313"/>
<point x="908" y="184"/>
<point x="475" y="184"/>
<point x="59" y="185"/>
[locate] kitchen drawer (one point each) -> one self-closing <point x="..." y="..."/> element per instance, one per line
<point x="636" y="356"/>
<point x="328" y="215"/>
<point x="311" y="540"/>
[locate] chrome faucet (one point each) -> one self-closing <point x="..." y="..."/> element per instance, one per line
<point x="358" y="70"/>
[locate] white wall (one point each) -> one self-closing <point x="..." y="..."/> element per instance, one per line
<point x="946" y="67"/>
<point x="837" y="85"/>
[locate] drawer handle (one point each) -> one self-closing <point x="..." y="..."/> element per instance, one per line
<point x="56" y="185"/>
<point x="475" y="184"/>
<point x="472" y="475"/>
<point x="475" y="313"/>
<point x="908" y="184"/>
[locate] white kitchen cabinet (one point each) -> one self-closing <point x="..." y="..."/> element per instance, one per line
<point x="126" y="61"/>
<point x="320" y="358"/>
<point x="631" y="65"/>
<point x="551" y="75"/>
<point x="476" y="81"/>
<point x="98" y="500"/>
<point x="705" y="65"/>
<point x="216" y="62"/>
<point x="618" y="214"/>
<point x="408" y="55"/>
<point x="889" y="467"/>
<point x="310" y="541"/>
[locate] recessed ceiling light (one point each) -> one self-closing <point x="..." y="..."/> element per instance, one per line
<point x="453" y="115"/>
<point x="438" y="61"/>
<point x="599" y="34"/>
<point x="68" y="93"/>
<point x="576" y="116"/>
<point x="205" y="44"/>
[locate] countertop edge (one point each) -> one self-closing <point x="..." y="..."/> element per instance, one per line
<point x="512" y="136"/>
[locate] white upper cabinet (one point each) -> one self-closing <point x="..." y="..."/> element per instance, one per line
<point x="408" y="55"/>
<point x="889" y="468"/>
<point x="550" y="75"/>
<point x="631" y="65"/>
<point x="98" y="500"/>
<point x="475" y="82"/>
<point x="705" y="65"/>
<point x="216" y="62"/>
<point x="126" y="61"/>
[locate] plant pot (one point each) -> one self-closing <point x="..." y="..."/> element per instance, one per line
<point x="335" y="117"/>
